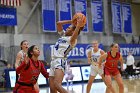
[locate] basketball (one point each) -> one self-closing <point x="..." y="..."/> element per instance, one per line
<point x="77" y="15"/>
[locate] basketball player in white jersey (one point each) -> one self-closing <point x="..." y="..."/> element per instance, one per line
<point x="63" y="46"/>
<point x="20" y="57"/>
<point x="24" y="45"/>
<point x="93" y="54"/>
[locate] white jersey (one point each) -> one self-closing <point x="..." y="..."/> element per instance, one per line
<point x="62" y="47"/>
<point x="22" y="56"/>
<point x="59" y="54"/>
<point x="94" y="68"/>
<point x="96" y="55"/>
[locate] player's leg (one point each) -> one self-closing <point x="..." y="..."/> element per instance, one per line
<point x="109" y="83"/>
<point x="119" y="81"/>
<point x="58" y="78"/>
<point x="51" y="84"/>
<point x="101" y="73"/>
<point x="92" y="76"/>
<point x="89" y="84"/>
<point x="51" y="81"/>
<point x="107" y="89"/>
<point x="108" y="80"/>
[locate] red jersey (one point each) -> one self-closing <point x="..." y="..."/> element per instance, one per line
<point x="112" y="62"/>
<point x="29" y="72"/>
<point x="28" y="76"/>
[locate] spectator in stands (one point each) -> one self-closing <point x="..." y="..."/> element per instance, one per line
<point x="138" y="65"/>
<point x="9" y="66"/>
<point x="130" y="64"/>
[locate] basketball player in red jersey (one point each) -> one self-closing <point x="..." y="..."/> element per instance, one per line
<point x="111" y="67"/>
<point x="29" y="71"/>
<point x="20" y="57"/>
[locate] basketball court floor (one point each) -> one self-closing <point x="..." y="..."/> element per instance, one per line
<point x="130" y="86"/>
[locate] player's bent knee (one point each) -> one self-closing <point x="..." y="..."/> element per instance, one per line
<point x="53" y="90"/>
<point x="121" y="85"/>
<point x="90" y="82"/>
<point x="109" y="85"/>
<point x="57" y="84"/>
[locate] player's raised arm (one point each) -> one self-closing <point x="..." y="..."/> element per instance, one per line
<point x="79" y="27"/>
<point x="18" y="59"/>
<point x="61" y="23"/>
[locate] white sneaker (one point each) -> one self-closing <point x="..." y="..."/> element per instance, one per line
<point x="136" y="76"/>
<point x="133" y="76"/>
<point x="130" y="77"/>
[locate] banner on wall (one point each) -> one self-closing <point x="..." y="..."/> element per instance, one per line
<point x="79" y="52"/>
<point x="134" y="48"/>
<point x="127" y="18"/>
<point x="116" y="17"/>
<point x="97" y="16"/>
<point x="48" y="15"/>
<point x="65" y="12"/>
<point x="81" y="6"/>
<point x="8" y="16"/>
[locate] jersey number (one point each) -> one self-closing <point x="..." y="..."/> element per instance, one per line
<point x="95" y="59"/>
<point x="56" y="46"/>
